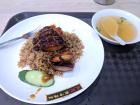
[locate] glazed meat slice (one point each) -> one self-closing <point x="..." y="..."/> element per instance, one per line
<point x="63" y="66"/>
<point x="64" y="56"/>
<point x="62" y="61"/>
<point x="49" y="39"/>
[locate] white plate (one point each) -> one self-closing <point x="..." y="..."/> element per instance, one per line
<point x="85" y="72"/>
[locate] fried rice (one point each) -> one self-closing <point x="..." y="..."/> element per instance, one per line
<point x="39" y="60"/>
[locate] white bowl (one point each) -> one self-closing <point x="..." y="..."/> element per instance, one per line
<point x="116" y="12"/>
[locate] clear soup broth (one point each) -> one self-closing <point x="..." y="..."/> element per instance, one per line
<point x="126" y="30"/>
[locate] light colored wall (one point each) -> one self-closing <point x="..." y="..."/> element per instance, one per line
<point x="8" y="8"/>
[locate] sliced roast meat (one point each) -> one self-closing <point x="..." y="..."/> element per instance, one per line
<point x="64" y="56"/>
<point x="49" y="39"/>
<point x="63" y="66"/>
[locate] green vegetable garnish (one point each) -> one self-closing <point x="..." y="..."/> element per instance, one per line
<point x="36" y="78"/>
<point x="22" y="74"/>
<point x="98" y="29"/>
<point x="122" y="19"/>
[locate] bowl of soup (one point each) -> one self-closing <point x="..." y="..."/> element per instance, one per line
<point x="128" y="25"/>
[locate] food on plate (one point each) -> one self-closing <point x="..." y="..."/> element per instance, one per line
<point x="126" y="30"/>
<point x="64" y="56"/>
<point x="50" y="50"/>
<point x="36" y="78"/>
<point x="62" y="62"/>
<point x="49" y="39"/>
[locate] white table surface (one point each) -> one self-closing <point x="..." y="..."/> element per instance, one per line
<point x="8" y="8"/>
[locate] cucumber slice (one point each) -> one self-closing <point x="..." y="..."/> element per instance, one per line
<point x="36" y="78"/>
<point x="22" y="74"/>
